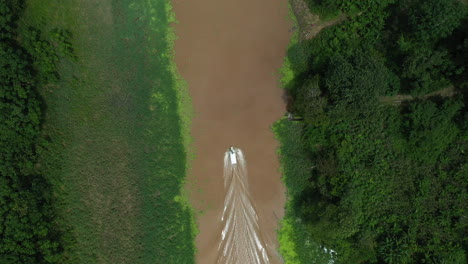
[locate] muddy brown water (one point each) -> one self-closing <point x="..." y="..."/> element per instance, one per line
<point x="229" y="52"/>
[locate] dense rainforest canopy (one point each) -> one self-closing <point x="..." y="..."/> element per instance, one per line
<point x="381" y="174"/>
<point x="27" y="232"/>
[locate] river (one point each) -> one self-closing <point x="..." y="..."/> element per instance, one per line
<point x="229" y="52"/>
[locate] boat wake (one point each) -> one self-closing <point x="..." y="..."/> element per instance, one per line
<point x="240" y="239"/>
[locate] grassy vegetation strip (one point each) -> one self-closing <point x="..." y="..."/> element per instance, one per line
<point x="286" y="72"/>
<point x="186" y="115"/>
<point x="117" y="155"/>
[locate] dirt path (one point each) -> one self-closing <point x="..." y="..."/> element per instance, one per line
<point x="399" y="98"/>
<point x="229" y="53"/>
<point x="310" y="24"/>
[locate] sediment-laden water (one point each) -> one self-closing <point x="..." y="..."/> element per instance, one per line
<point x="229" y="52"/>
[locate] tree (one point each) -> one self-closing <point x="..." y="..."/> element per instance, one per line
<point x="27" y="234"/>
<point x="435" y="19"/>
<point x="426" y="69"/>
<point x="359" y="79"/>
<point x="310" y="102"/>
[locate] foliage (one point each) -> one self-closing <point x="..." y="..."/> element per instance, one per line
<point x="330" y="8"/>
<point x="296" y="241"/>
<point x="10" y="10"/>
<point x="425" y="70"/>
<point x="27" y="231"/>
<point x="61" y="38"/>
<point x="435" y="19"/>
<point x="378" y="183"/>
<point x="326" y="9"/>
<point x="45" y="58"/>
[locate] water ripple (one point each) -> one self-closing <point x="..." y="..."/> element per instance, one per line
<point x="241" y="242"/>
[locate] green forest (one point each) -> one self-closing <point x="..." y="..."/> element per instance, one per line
<point x="375" y="161"/>
<point x="27" y="231"/>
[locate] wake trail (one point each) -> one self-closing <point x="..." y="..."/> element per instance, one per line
<point x="241" y="242"/>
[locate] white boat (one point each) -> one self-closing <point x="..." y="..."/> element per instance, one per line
<point x="232" y="155"/>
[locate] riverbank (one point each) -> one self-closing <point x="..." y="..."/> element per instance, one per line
<point x="296" y="243"/>
<point x="117" y="123"/>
